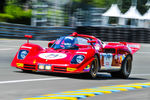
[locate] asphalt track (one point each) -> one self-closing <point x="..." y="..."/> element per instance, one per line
<point x="16" y="85"/>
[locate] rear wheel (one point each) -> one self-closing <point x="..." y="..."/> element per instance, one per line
<point x="125" y="69"/>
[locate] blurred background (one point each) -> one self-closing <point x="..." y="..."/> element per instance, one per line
<point x="110" y="20"/>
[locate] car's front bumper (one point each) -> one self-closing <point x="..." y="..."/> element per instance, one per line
<point x="60" y="68"/>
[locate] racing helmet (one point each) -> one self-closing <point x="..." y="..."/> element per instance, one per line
<point x="69" y="41"/>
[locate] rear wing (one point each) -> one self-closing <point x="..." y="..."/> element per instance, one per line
<point x="134" y="47"/>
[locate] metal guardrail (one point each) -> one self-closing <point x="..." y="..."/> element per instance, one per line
<point x="109" y="33"/>
<point x="8" y="30"/>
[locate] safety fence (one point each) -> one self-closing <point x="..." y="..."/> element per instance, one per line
<point x="109" y="33"/>
<point x="127" y="34"/>
<point x="8" y="30"/>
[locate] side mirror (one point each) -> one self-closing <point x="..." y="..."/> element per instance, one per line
<point x="92" y="41"/>
<point x="28" y="37"/>
<point x="51" y="43"/>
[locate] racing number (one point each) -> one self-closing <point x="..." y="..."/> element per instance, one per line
<point x="108" y="60"/>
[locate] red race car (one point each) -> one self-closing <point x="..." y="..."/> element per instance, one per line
<point x="77" y="53"/>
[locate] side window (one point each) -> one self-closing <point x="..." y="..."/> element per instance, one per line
<point x="98" y="45"/>
<point x="81" y="41"/>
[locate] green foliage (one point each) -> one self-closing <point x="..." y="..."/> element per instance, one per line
<point x="17" y="12"/>
<point x="20" y="16"/>
<point x="13" y="13"/>
<point x="107" y="3"/>
<point x="141" y="6"/>
<point x="76" y="0"/>
<point x="5" y="17"/>
<point x="126" y="5"/>
<point x="99" y="3"/>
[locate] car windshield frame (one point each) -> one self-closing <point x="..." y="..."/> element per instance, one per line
<point x="59" y="43"/>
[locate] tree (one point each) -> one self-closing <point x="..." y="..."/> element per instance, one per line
<point x="141" y="6"/>
<point x="14" y="12"/>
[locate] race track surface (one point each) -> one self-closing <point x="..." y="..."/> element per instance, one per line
<point x="16" y="85"/>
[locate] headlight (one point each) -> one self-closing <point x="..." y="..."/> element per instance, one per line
<point x="44" y="67"/>
<point x="48" y="67"/>
<point x="77" y="59"/>
<point x="22" y="54"/>
<point x="41" y="67"/>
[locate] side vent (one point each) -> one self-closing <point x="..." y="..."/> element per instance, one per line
<point x="109" y="50"/>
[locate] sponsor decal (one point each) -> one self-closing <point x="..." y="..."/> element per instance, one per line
<point x="87" y="68"/>
<point x="121" y="58"/>
<point x="19" y="64"/>
<point x="52" y="56"/>
<point x="26" y="47"/>
<point x="71" y="69"/>
<point x="116" y="57"/>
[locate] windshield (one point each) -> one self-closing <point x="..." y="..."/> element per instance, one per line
<point x="69" y="42"/>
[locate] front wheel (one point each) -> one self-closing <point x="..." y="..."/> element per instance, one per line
<point x="125" y="69"/>
<point x="94" y="68"/>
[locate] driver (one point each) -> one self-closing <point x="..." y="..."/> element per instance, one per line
<point x="69" y="41"/>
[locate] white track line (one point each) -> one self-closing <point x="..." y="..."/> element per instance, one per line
<point x="144" y="52"/>
<point x="3" y="49"/>
<point x="9" y="46"/>
<point x="140" y="74"/>
<point x="31" y="80"/>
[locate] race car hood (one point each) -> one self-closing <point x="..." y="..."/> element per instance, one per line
<point x="63" y="56"/>
<point x="56" y="56"/>
<point x="52" y="56"/>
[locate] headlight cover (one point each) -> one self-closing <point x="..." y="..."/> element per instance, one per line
<point x="22" y="54"/>
<point x="77" y="59"/>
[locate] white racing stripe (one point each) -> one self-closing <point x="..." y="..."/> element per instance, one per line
<point x="31" y="80"/>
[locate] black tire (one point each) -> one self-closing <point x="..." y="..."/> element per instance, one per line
<point x="94" y="68"/>
<point x="27" y="71"/>
<point x="125" y="69"/>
